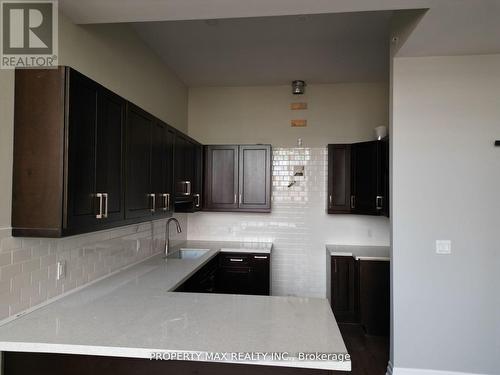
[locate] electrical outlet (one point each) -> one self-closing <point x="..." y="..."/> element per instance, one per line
<point x="61" y="269"/>
<point x="443" y="247"/>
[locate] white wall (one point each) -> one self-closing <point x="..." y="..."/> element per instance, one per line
<point x="261" y="114"/>
<point x="446" y="185"/>
<point x="114" y="56"/>
<point x="298" y="225"/>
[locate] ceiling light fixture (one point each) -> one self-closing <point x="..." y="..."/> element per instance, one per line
<point x="298" y="87"/>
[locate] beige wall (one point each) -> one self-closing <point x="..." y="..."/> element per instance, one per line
<point x="336" y="113"/>
<point x="446" y="184"/>
<point x="114" y="56"/>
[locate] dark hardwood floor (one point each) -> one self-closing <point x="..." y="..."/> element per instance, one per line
<point x="369" y="354"/>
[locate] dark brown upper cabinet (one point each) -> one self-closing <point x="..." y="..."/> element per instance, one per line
<point x="188" y="169"/>
<point x="85" y="159"/>
<point x="237" y="178"/>
<point x="339" y="179"/>
<point x="358" y="178"/>
<point x="149" y="159"/>
<point x="68" y="157"/>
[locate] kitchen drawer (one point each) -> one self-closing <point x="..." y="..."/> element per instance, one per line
<point x="237" y="260"/>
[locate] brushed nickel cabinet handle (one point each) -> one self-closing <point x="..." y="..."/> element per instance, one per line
<point x="153" y="200"/>
<point x="353" y="201"/>
<point x="99" y="215"/>
<point x="239" y="201"/>
<point x="335" y="265"/>
<point x="198" y="199"/>
<point x="188" y="187"/>
<point x="379" y="202"/>
<point x="165" y="200"/>
<point x="105" y="195"/>
<point x="236" y="260"/>
<point x="260" y="257"/>
<point x="330" y="200"/>
<point x="235" y="199"/>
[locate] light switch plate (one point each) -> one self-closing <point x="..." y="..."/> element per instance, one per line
<point x="61" y="270"/>
<point x="443" y="247"/>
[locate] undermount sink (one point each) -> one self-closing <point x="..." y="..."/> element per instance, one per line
<point x="187" y="254"/>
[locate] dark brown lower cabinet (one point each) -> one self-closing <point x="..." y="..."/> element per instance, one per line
<point x="344" y="289"/>
<point x="15" y="363"/>
<point x="232" y="273"/>
<point x="374" y="295"/>
<point x="360" y="292"/>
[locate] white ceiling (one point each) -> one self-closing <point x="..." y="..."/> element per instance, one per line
<point x="449" y="27"/>
<point x="341" y="47"/>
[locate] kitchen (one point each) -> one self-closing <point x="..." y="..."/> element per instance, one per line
<point x="193" y="206"/>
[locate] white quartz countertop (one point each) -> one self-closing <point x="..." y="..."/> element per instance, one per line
<point x="360" y="252"/>
<point x="134" y="313"/>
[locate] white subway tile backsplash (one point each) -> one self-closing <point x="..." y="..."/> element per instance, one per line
<point x="298" y="224"/>
<point x="28" y="266"/>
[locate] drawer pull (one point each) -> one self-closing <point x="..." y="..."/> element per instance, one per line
<point x="236" y="260"/>
<point x="260" y="257"/>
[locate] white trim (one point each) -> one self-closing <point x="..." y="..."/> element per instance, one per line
<point x="422" y="371"/>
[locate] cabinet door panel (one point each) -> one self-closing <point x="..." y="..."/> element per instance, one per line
<point x="83" y="96"/>
<point x="221" y="178"/>
<point x="184" y="167"/>
<point x="255" y="177"/>
<point x="374" y="296"/>
<point x="159" y="162"/>
<point x="364" y="159"/>
<point x="109" y="163"/>
<point x="339" y="178"/>
<point x="235" y="280"/>
<point x="343" y="288"/>
<point x="261" y="279"/>
<point x="138" y="155"/>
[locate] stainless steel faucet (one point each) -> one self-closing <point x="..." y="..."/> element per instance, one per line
<point x="167" y="234"/>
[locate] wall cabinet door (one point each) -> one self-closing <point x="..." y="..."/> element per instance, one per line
<point x="162" y="168"/>
<point x="95" y="176"/>
<point x="358" y="178"/>
<point x="344" y="294"/>
<point x="83" y="98"/>
<point x="110" y="155"/>
<point x="221" y="177"/>
<point x="364" y="183"/>
<point x="255" y="177"/>
<point x="188" y="174"/>
<point x="339" y="178"/>
<point x="139" y="198"/>
<point x="238" y="178"/>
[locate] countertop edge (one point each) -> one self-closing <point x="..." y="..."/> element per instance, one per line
<point x="142" y="353"/>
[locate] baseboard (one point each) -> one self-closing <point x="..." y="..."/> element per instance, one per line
<point x="389" y="369"/>
<point x="421" y="371"/>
